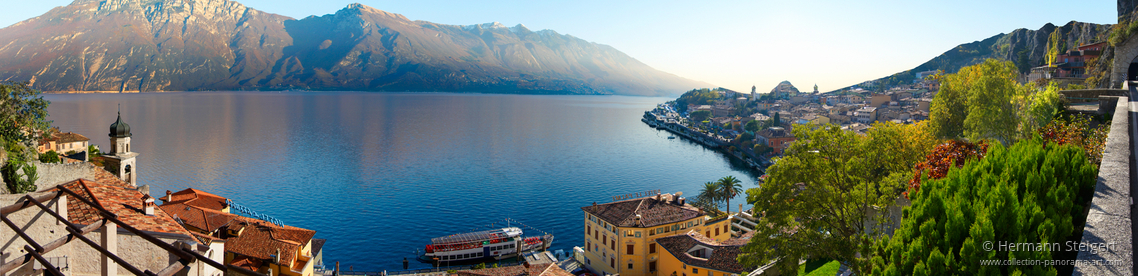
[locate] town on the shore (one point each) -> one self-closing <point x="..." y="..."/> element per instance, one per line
<point x="755" y="127"/>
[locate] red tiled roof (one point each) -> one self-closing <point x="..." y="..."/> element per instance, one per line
<point x="207" y="220"/>
<point x="723" y="256"/>
<point x="258" y="240"/>
<point x="652" y="212"/>
<point x="247" y="263"/>
<point x="66" y="137"/>
<point x="198" y="198"/>
<point x="120" y="199"/>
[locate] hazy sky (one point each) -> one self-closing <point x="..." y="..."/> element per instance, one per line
<point x="733" y="44"/>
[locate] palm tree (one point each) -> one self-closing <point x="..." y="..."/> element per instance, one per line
<point x="729" y="187"/>
<point x="708" y="197"/>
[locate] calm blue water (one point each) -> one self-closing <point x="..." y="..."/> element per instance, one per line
<point x="379" y="174"/>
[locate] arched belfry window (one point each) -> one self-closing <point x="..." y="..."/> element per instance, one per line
<point x="127" y="169"/>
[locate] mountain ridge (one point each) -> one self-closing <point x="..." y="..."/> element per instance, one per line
<point x="1024" y="47"/>
<point x="185" y="45"/>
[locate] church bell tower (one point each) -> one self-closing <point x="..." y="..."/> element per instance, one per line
<point x="120" y="160"/>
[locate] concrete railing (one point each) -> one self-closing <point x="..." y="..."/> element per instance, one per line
<point x="1109" y="226"/>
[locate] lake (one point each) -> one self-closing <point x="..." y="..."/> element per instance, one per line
<point x="380" y="174"/>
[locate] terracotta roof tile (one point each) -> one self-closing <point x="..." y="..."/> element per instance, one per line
<point x="259" y="239"/>
<point x="66" y="137"/>
<point x="207" y="220"/>
<point x="247" y="263"/>
<point x="198" y="198"/>
<point x="723" y="256"/>
<point x="652" y="212"/>
<point x="119" y="200"/>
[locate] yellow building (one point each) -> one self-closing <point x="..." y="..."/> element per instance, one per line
<point x="692" y="254"/>
<point x="620" y="237"/>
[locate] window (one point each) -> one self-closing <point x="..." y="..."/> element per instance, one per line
<point x="612" y="263"/>
<point x="717" y="231"/>
<point x="708" y="233"/>
<point x="588" y="245"/>
<point x="596" y="234"/>
<point x="628" y="249"/>
<point x="613" y="245"/>
<point x="652" y="266"/>
<point x="651" y="248"/>
<point x="725" y="228"/>
<point x="588" y="262"/>
<point x="651" y="232"/>
<point x="604" y="239"/>
<point x="637" y="234"/>
<point x="694" y="270"/>
<point x="588" y="229"/>
<point x="629" y="266"/>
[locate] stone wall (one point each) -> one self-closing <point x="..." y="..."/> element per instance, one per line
<point x="133" y="249"/>
<point x="39" y="225"/>
<point x="52" y="174"/>
<point x="1108" y="220"/>
<point x="1124" y="54"/>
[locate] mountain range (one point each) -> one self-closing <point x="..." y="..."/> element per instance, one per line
<point x="187" y="45"/>
<point x="1024" y="47"/>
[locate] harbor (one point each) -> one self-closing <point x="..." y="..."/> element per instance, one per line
<point x="670" y="121"/>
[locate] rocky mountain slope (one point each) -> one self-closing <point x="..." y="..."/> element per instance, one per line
<point x="1026" y="48"/>
<point x="174" y="45"/>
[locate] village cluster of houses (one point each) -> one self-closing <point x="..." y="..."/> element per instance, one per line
<point x="854" y="109"/>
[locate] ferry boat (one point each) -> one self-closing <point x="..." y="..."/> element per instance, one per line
<point x="493" y="244"/>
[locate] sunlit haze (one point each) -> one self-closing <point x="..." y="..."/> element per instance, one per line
<point x="733" y="44"/>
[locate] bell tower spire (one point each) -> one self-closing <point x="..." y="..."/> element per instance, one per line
<point x="120" y="160"/>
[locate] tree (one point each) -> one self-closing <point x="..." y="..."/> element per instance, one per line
<point x="50" y="157"/>
<point x="700" y="115"/>
<point x="23" y="112"/>
<point x="708" y="198"/>
<point x="92" y="150"/>
<point x="753" y="126"/>
<point x="819" y="200"/>
<point x="1030" y="193"/>
<point x="744" y="137"/>
<point x="761" y="149"/>
<point x="983" y="101"/>
<point x="729" y="187"/>
<point x="775" y="121"/>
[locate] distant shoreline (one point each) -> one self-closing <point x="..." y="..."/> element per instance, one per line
<point x="323" y="91"/>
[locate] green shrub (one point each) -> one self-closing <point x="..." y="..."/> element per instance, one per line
<point x="19" y="176"/>
<point x="50" y="157"/>
<point x="1029" y="193"/>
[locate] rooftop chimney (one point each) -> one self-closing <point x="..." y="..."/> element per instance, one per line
<point x="657" y="196"/>
<point x="168" y="197"/>
<point x="638" y="220"/>
<point x="277" y="257"/>
<point x="148" y="205"/>
<point x="594" y="206"/>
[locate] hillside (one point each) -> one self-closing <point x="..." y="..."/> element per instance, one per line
<point x="176" y="45"/>
<point x="1026" y="48"/>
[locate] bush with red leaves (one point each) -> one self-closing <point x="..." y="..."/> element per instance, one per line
<point x="944" y="156"/>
